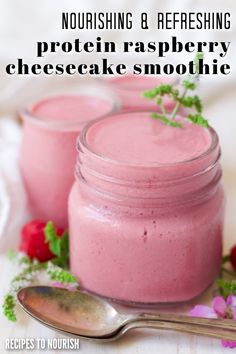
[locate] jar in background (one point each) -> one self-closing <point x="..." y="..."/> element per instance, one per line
<point x="48" y="152"/>
<point x="146" y="210"/>
<point x="129" y="90"/>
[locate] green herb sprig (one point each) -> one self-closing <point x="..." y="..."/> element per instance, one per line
<point x="181" y="99"/>
<point x="226" y="287"/>
<point x="56" y="273"/>
<point x="226" y="283"/>
<point x="27" y="276"/>
<point x="55" y="269"/>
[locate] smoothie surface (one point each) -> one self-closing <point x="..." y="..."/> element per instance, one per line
<point x="139" y="139"/>
<point x="71" y="108"/>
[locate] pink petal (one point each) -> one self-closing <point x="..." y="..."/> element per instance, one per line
<point x="71" y="287"/>
<point x="203" y="311"/>
<point x="219" y="305"/>
<point x="231" y="300"/>
<point x="228" y="344"/>
<point x="57" y="284"/>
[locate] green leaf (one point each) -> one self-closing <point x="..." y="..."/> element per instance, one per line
<point x="65" y="244"/>
<point x="161" y="90"/>
<point x="164" y="89"/>
<point x="170" y="122"/>
<point x="150" y="94"/>
<point x="225" y="259"/>
<point x="186" y="101"/>
<point x="189" y="85"/>
<point x="58" y="245"/>
<point x="53" y="239"/>
<point x="198" y="119"/>
<point x="175" y="93"/>
<point x="192" y="101"/>
<point x="9" y="307"/>
<point x="226" y="287"/>
<point x="197" y="103"/>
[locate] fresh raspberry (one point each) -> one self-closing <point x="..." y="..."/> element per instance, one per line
<point x="33" y="241"/>
<point x="233" y="257"/>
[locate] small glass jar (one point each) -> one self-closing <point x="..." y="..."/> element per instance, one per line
<point x="143" y="230"/>
<point x="129" y="90"/>
<point x="48" y="153"/>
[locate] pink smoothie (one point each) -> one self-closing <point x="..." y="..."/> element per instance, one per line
<point x="48" y="152"/>
<point x="146" y="210"/>
<point x="129" y="90"/>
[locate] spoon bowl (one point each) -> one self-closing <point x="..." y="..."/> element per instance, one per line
<point x="74" y="312"/>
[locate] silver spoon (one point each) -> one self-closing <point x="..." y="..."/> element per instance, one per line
<point x="84" y="315"/>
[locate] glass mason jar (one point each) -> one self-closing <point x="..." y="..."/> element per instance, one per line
<point x="48" y="152"/>
<point x="129" y="90"/>
<point x="146" y="227"/>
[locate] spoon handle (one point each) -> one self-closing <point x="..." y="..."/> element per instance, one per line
<point x="213" y="332"/>
<point x="215" y="328"/>
<point x="175" y="318"/>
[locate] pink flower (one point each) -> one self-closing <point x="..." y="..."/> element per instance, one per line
<point x="71" y="287"/>
<point x="219" y="309"/>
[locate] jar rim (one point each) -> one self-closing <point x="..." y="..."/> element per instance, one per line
<point x="117" y="82"/>
<point x="82" y="142"/>
<point x="65" y="124"/>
